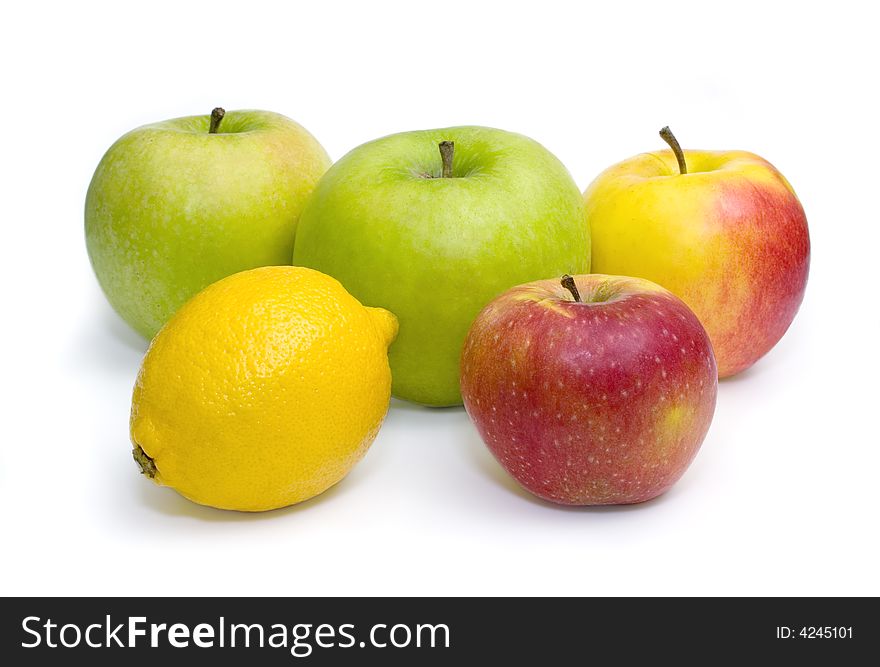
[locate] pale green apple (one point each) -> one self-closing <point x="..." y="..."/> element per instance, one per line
<point x="433" y="239"/>
<point x="175" y="206"/>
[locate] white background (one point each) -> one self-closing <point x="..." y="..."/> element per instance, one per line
<point x="781" y="500"/>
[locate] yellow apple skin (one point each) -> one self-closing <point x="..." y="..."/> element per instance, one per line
<point x="729" y="238"/>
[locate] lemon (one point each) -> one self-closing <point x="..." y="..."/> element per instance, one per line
<point x="263" y="390"/>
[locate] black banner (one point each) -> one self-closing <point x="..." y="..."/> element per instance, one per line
<point x="419" y="631"/>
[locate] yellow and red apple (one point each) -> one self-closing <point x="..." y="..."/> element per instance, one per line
<point x="728" y="236"/>
<point x="590" y="391"/>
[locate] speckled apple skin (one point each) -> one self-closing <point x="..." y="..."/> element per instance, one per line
<point x="592" y="403"/>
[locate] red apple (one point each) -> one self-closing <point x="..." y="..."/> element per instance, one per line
<point x="596" y="390"/>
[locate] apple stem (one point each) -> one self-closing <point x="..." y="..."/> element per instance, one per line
<point x="568" y="283"/>
<point x="670" y="139"/>
<point x="145" y="463"/>
<point x="216" y="116"/>
<point x="447" y="149"/>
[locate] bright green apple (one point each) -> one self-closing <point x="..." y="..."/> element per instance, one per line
<point x="177" y="205"/>
<point x="432" y="225"/>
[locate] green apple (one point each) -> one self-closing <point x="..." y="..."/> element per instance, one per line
<point x="432" y="225"/>
<point x="177" y="205"/>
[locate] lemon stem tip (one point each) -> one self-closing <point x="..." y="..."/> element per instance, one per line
<point x="145" y="463"/>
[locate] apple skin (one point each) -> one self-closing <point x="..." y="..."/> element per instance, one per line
<point x="729" y="237"/>
<point x="435" y="250"/>
<point x="601" y="402"/>
<point x="172" y="208"/>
